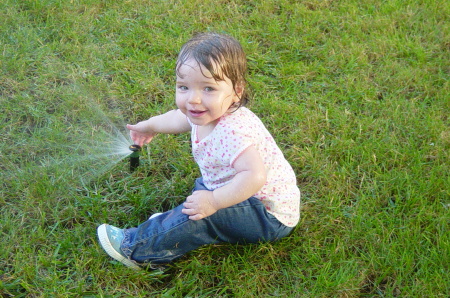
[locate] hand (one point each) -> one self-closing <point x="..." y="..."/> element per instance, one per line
<point x="140" y="134"/>
<point x="200" y="205"/>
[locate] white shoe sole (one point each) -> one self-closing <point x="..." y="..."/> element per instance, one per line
<point x="154" y="215"/>
<point x="106" y="244"/>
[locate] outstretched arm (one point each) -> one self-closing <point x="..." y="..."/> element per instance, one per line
<point x="172" y="122"/>
<point x="250" y="178"/>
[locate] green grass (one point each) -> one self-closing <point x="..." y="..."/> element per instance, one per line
<point x="356" y="94"/>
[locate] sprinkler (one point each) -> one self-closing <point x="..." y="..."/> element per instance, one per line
<point x="134" y="157"/>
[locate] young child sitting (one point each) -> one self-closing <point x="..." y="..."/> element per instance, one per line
<point x="247" y="192"/>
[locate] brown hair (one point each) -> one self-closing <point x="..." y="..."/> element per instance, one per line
<point x="221" y="55"/>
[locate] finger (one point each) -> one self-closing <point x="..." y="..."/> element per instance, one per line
<point x="145" y="140"/>
<point x="196" y="217"/>
<point x="188" y="211"/>
<point x="190" y="199"/>
<point x="137" y="141"/>
<point x="141" y="141"/>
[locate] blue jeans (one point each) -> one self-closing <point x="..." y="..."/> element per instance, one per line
<point x="172" y="234"/>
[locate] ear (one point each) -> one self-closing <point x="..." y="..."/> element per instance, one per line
<point x="239" y="91"/>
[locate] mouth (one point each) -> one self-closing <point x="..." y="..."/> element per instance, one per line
<point x="196" y="113"/>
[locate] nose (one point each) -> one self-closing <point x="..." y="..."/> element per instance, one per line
<point x="194" y="97"/>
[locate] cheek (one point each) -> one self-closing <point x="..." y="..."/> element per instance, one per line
<point x="179" y="101"/>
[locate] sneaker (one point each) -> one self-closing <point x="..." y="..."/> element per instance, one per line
<point x="110" y="239"/>
<point x="154" y="215"/>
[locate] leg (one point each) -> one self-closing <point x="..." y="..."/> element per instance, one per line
<point x="172" y="234"/>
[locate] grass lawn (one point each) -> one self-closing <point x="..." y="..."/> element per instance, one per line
<point x="356" y="93"/>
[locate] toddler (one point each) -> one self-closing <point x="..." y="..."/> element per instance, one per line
<point x="247" y="192"/>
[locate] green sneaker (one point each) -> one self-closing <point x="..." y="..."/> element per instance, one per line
<point x="110" y="239"/>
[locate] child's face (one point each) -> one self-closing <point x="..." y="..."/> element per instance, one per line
<point x="200" y="97"/>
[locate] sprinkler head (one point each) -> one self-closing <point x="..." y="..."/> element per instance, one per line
<point x="134" y="147"/>
<point x="134" y="157"/>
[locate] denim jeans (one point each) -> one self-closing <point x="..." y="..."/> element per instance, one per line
<point x="172" y="234"/>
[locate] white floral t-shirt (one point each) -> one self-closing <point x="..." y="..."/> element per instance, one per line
<point x="233" y="134"/>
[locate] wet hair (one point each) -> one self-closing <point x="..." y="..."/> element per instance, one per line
<point x="221" y="55"/>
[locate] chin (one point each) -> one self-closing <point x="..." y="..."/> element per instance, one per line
<point x="199" y="122"/>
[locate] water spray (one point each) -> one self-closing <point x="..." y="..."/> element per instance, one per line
<point x="134" y="157"/>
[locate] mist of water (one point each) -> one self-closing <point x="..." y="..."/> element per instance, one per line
<point x="99" y="147"/>
<point x="83" y="147"/>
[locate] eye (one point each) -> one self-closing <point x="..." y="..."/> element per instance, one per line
<point x="209" y="89"/>
<point x="182" y="88"/>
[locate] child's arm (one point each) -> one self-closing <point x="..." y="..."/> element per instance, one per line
<point x="250" y="178"/>
<point x="172" y="122"/>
